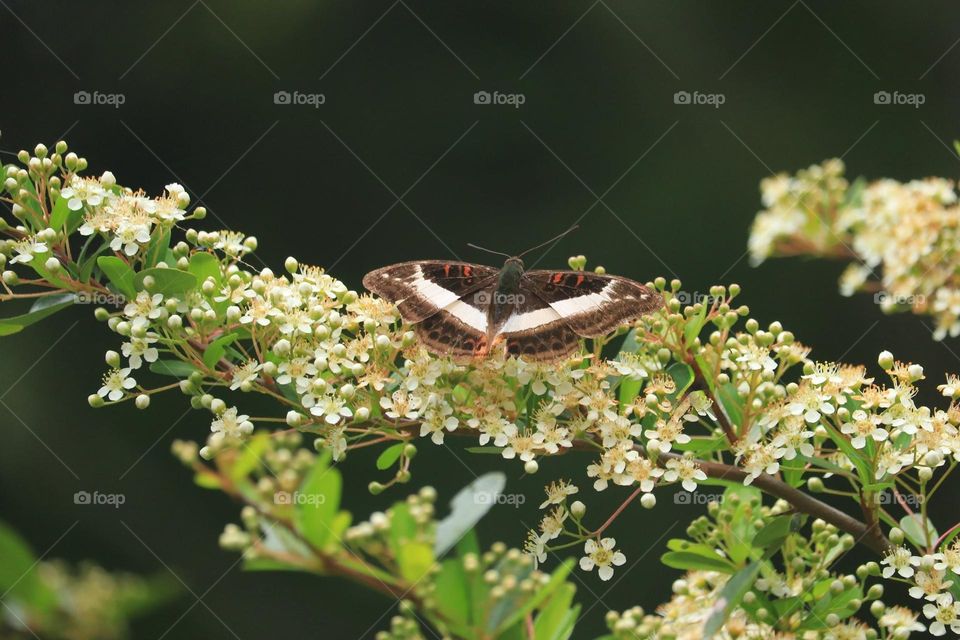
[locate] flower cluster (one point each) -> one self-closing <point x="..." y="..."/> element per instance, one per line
<point x="901" y="238"/>
<point x="689" y="395"/>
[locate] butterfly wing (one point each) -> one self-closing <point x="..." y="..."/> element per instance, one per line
<point x="590" y="304"/>
<point x="446" y="301"/>
<point x="535" y="331"/>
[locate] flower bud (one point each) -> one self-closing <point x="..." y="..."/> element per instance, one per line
<point x="896" y="535"/>
<point x="885" y="360"/>
<point x="531" y="467"/>
<point x="291" y="264"/>
<point x="112" y="358"/>
<point x="648" y="501"/>
<point x="52" y="265"/>
<point x="218" y="406"/>
<point x="142" y="401"/>
<point x="94" y="400"/>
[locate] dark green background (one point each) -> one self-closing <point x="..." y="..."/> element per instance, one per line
<point x="399" y="80"/>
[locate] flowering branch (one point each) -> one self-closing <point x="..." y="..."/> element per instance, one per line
<point x="696" y="393"/>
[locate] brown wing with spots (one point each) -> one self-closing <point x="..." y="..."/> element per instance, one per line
<point x="591" y="304"/>
<point x="443" y="333"/>
<point x="422" y="288"/>
<point x="534" y="331"/>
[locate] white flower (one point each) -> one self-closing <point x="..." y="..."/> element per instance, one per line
<point x="229" y="426"/>
<point x="899" y="560"/>
<point x="557" y="492"/>
<point x="332" y="408"/>
<point x="863" y="426"/>
<point x="245" y="373"/>
<point x="115" y="383"/>
<point x="603" y="556"/>
<point x="27" y="248"/>
<point x="80" y="189"/>
<point x="685" y="470"/>
<point x="945" y="613"/>
<point x="401" y="405"/>
<point x="130" y="234"/>
<point x="139" y="349"/>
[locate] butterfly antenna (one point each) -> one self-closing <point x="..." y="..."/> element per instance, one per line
<point x="473" y="246"/>
<point x="543" y="244"/>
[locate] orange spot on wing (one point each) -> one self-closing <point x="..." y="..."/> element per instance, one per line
<point x="467" y="270"/>
<point x="446" y="270"/>
<point x="579" y="280"/>
<point x="557" y="277"/>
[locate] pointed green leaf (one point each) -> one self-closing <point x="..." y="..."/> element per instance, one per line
<point x="42" y="308"/>
<point x="389" y="456"/>
<point x="318" y="503"/>
<point x="118" y="273"/>
<point x="169" y="282"/>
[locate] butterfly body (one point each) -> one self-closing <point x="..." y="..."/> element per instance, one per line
<point x="464" y="309"/>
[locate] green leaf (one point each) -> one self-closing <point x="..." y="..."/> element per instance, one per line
<point x="42" y="308"/>
<point x="158" y="247"/>
<point x="118" y="273"/>
<point x="467" y="507"/>
<point x="774" y="532"/>
<point x="169" y="282"/>
<point x="688" y="560"/>
<point x="389" y="456"/>
<point x="862" y="466"/>
<point x="58" y="216"/>
<point x="216" y="349"/>
<point x="250" y="456"/>
<point x="19" y="579"/>
<point x="913" y="528"/>
<point x="732" y="403"/>
<point x="175" y="368"/>
<point x="694" y="325"/>
<point x="557" y="619"/>
<point x="557" y="579"/>
<point x="629" y="389"/>
<point x="729" y="597"/>
<point x="452" y="592"/>
<point x="205" y="265"/>
<point x="318" y="503"/>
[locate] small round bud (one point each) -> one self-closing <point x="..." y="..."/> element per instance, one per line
<point x="112" y="358"/>
<point x="877" y="608"/>
<point x="218" y="406"/>
<point x="578" y="509"/>
<point x="291" y="264"/>
<point x="200" y="213"/>
<point x="10" y="277"/>
<point x="915" y="371"/>
<point x="648" y="501"/>
<point x="142" y="401"/>
<point x="101" y="314"/>
<point x="52" y="265"/>
<point x="94" y="400"/>
<point x="885" y="360"/>
<point x="815" y="485"/>
<point x="294" y="419"/>
<point x="375" y="488"/>
<point x="362" y="413"/>
<point x="896" y="535"/>
<point x="531" y="467"/>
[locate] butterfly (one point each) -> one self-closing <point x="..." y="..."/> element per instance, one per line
<point x="463" y="309"/>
